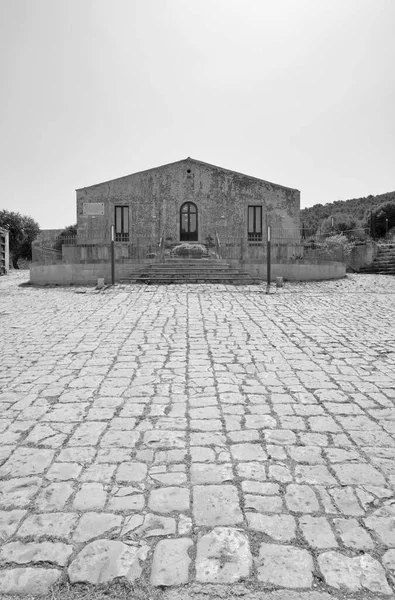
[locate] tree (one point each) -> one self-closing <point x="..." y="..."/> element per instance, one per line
<point x="380" y="215"/>
<point x="23" y="231"/>
<point x="344" y="224"/>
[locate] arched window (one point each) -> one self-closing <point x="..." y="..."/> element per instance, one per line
<point x="188" y="222"/>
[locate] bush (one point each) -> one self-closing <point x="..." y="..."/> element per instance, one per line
<point x="391" y="235"/>
<point x="339" y="240"/>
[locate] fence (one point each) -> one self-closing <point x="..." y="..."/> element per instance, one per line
<point x="287" y="245"/>
<point x="93" y="249"/>
<point x="281" y="250"/>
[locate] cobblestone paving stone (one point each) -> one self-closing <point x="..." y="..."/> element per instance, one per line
<point x="199" y="435"/>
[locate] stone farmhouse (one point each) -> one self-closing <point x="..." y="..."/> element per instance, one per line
<point x="186" y="201"/>
<point x="186" y="210"/>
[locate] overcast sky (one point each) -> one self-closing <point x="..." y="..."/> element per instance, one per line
<point x="298" y="92"/>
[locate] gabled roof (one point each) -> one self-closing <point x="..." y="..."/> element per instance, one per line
<point x="189" y="160"/>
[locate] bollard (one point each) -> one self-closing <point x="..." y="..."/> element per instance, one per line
<point x="268" y="261"/>
<point x="112" y="254"/>
<point x="100" y="283"/>
<point x="279" y="282"/>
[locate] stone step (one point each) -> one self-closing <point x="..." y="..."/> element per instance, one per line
<point x="196" y="263"/>
<point x="206" y="265"/>
<point x="380" y="268"/>
<point x="194" y="260"/>
<point x="187" y="276"/>
<point x="378" y="271"/>
<point x="187" y="270"/>
<point x="383" y="263"/>
<point x="236" y="278"/>
<point x="192" y="270"/>
<point x="167" y="281"/>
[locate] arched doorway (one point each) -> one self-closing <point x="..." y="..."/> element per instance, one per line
<point x="188" y="222"/>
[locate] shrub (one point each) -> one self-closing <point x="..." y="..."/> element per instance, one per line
<point x="336" y="241"/>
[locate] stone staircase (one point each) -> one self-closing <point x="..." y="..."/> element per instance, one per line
<point x="190" y="270"/>
<point x="383" y="263"/>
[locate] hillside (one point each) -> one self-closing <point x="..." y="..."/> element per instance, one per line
<point x="355" y="210"/>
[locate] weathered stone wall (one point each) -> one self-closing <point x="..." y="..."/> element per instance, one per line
<point x="155" y="197"/>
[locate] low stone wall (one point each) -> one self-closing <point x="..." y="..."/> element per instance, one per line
<point x="295" y="271"/>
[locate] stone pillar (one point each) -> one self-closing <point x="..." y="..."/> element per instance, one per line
<point x="4" y="251"/>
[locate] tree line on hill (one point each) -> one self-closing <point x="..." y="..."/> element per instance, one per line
<point x="369" y="213"/>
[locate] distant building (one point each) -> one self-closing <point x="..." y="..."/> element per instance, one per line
<point x="48" y="235"/>
<point x="186" y="201"/>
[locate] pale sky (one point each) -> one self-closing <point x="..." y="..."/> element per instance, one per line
<point x="297" y="92"/>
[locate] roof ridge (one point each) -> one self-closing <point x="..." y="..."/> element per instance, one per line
<point x="194" y="160"/>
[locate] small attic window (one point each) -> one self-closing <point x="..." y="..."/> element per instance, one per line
<point x="188" y="170"/>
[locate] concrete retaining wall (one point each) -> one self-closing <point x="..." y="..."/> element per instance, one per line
<point x="89" y="273"/>
<point x="78" y="274"/>
<point x="295" y="271"/>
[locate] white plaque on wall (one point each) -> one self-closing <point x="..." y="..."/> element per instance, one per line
<point x="92" y="209"/>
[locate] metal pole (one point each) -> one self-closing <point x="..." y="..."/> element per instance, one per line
<point x="112" y="254"/>
<point x="268" y="269"/>
<point x="386" y="226"/>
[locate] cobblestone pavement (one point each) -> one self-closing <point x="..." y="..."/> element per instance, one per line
<point x="199" y="435"/>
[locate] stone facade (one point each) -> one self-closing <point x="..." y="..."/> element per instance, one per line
<point x="219" y="198"/>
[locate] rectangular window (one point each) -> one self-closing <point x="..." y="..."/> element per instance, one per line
<point x="122" y="223"/>
<point x="255" y="223"/>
